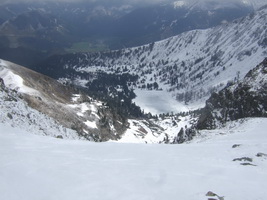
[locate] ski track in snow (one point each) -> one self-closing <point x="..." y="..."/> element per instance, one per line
<point x="37" y="167"/>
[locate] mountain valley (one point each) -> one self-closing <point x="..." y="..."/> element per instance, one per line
<point x="154" y="93"/>
<point x="126" y="100"/>
<point x="189" y="66"/>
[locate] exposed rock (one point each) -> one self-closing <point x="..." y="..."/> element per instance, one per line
<point x="261" y="155"/>
<point x="59" y="137"/>
<point x="243" y="99"/>
<point x="9" y="116"/>
<point x="184" y="135"/>
<point x="246" y="164"/>
<point x="243" y="159"/>
<point x="236" y="145"/>
<point x="212" y="194"/>
<point x="2" y="84"/>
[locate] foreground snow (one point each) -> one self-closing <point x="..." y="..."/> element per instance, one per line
<point x="37" y="167"/>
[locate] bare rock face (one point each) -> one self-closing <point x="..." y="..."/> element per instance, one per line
<point x="2" y="84"/>
<point x="247" y="98"/>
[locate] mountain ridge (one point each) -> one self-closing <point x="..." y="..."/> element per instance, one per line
<point x="190" y="66"/>
<point x="243" y="99"/>
<point x="54" y="28"/>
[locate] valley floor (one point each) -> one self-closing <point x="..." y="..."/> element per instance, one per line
<point x="158" y="102"/>
<point x="44" y="168"/>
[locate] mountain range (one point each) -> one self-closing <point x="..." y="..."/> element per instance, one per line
<point x="96" y="96"/>
<point x="30" y="32"/>
<point x="37" y="103"/>
<point x="70" y="116"/>
<point x="190" y="66"/>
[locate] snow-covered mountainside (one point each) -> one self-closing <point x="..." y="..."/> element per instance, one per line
<point x="229" y="162"/>
<point x="208" y="4"/>
<point x="92" y="120"/>
<point x="36" y="103"/>
<point x="190" y="66"/>
<point x="39" y="104"/>
<point x="16" y="113"/>
<point x="256" y="3"/>
<point x="72" y="109"/>
<point x="33" y="30"/>
<point x="239" y="100"/>
<point x="247" y="98"/>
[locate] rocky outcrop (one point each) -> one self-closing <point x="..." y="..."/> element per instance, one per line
<point x="247" y="98"/>
<point x="2" y="84"/>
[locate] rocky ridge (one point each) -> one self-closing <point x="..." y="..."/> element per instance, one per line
<point x="246" y="98"/>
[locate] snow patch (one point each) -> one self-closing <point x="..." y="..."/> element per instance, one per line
<point x="14" y="81"/>
<point x="76" y="97"/>
<point x="158" y="102"/>
<point x="91" y="124"/>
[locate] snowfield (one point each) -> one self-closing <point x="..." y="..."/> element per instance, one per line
<point x="44" y="168"/>
<point x="158" y="102"/>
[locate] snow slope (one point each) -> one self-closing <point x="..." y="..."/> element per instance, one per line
<point x="256" y="3"/>
<point x="35" y="167"/>
<point x="16" y="113"/>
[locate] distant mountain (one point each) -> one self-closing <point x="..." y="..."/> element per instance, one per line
<point x="208" y="4"/>
<point x="35" y="29"/>
<point x="190" y="66"/>
<point x="255" y="3"/>
<point x="56" y="28"/>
